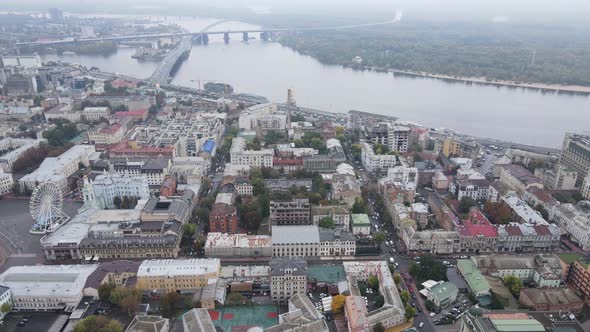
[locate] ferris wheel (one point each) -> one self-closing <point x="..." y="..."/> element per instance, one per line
<point x="46" y="207"/>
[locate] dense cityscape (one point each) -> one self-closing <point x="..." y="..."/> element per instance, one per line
<point x="136" y="204"/>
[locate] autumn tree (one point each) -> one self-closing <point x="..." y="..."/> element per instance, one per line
<point x="338" y="303"/>
<point x="168" y="304"/>
<point x="379" y="237"/>
<point x="497" y="213"/>
<point x="235" y="298"/>
<point x="104" y="291"/>
<point x="98" y="324"/>
<point x="129" y="304"/>
<point x="405" y="296"/>
<point x="5" y="308"/>
<point x="397" y="278"/>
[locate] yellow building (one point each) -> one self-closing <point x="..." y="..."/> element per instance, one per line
<point x="451" y="148"/>
<point x="169" y="275"/>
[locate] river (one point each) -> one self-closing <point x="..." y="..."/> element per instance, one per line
<point x="269" y="69"/>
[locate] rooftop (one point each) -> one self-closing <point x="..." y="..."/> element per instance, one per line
<point x="295" y="234"/>
<point x="360" y="220"/>
<point x="237" y="240"/>
<point x="178" y="267"/>
<point x="288" y="265"/>
<point x="47" y="280"/>
<point x="476" y="282"/>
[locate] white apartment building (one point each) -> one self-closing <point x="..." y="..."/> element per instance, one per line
<point x="263" y="117"/>
<point x="311" y="241"/>
<point x="585" y="189"/>
<point x="240" y="156"/>
<point x="6" y="183"/>
<point x="17" y="147"/>
<point x="340" y="214"/>
<point x="288" y="276"/>
<point x="376" y="163"/>
<point x="101" y="192"/>
<point x="575" y="220"/>
<point x="5" y="298"/>
<point x="46" y="287"/>
<point x="87" y="114"/>
<point x="58" y="169"/>
<point x="403" y="177"/>
<point x="237" y="245"/>
<point x="26" y="61"/>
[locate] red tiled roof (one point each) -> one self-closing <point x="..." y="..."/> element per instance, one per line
<point x="542" y="195"/>
<point x="542" y="229"/>
<point x="111" y="129"/>
<point x="469" y="229"/>
<point x="476" y="216"/>
<point x="130" y="113"/>
<point x="513" y="230"/>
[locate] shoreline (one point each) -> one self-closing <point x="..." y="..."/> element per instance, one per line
<point x="556" y="88"/>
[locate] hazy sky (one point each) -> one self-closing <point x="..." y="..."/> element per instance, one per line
<point x="546" y="11"/>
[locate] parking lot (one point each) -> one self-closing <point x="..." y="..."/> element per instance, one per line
<point x="35" y="322"/>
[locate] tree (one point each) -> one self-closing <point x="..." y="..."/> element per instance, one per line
<point x="410" y="312"/>
<point x="119" y="293"/>
<point x="542" y="211"/>
<point x="338" y="303"/>
<point x="379" y="327"/>
<point x="327" y="222"/>
<point x="405" y="296"/>
<point x="98" y="324"/>
<point x="514" y="285"/>
<point x="235" y="298"/>
<point x="104" y="291"/>
<point x="189" y="229"/>
<point x="5" y="308"/>
<point x="373" y="282"/>
<point x="129" y="304"/>
<point x="125" y="202"/>
<point x="397" y="278"/>
<point x="379" y="301"/>
<point x="117" y="202"/>
<point x="339" y="130"/>
<point x="359" y="206"/>
<point x="466" y="203"/>
<point x="379" y="237"/>
<point x="497" y="213"/>
<point x="430" y="306"/>
<point x="168" y="304"/>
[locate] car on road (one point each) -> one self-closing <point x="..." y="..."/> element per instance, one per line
<point x="432" y="314"/>
<point x="391" y="260"/>
<point x="421" y="324"/>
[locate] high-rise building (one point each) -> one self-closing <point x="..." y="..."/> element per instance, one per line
<point x="575" y="154"/>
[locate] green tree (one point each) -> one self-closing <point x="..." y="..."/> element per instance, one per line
<point x="514" y="285"/>
<point x="117" y="202"/>
<point x="542" y="211"/>
<point x="168" y="304"/>
<point x="119" y="293"/>
<point x="359" y="206"/>
<point x="429" y="305"/>
<point x="5" y="308"/>
<point x="189" y="229"/>
<point x="410" y="312"/>
<point x="379" y="327"/>
<point x="129" y="304"/>
<point x="104" y="291"/>
<point x="405" y="296"/>
<point x="98" y="324"/>
<point x="379" y="237"/>
<point x="466" y="203"/>
<point x="497" y="213"/>
<point x="397" y="278"/>
<point x="373" y="282"/>
<point x="379" y="301"/>
<point x="327" y="222"/>
<point x="235" y="298"/>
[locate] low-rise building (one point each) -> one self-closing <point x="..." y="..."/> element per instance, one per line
<point x="518" y="178"/>
<point x="361" y="224"/>
<point x="223" y="218"/>
<point x="255" y="158"/>
<point x="522" y="213"/>
<point x="197" y="319"/>
<point x="561" y="299"/>
<point x="340" y="214"/>
<point x="171" y="275"/>
<point x="290" y="212"/>
<point x="15" y="148"/>
<point x="46" y="287"/>
<point x="419" y="212"/>
<point x="442" y="293"/>
<point x="477" y="189"/>
<point x="542" y="270"/>
<point x="575" y="220"/>
<point x="376" y="162"/>
<point x="478" y="234"/>
<point x="288" y="276"/>
<point x="103" y="192"/>
<point x="302" y="316"/>
<point x="149" y="323"/>
<point x="107" y="134"/>
<point x="434" y="242"/>
<point x="346" y="189"/>
<point x="578" y="277"/>
<point x="243" y="186"/>
<point x="237" y="245"/>
<point x="476" y="282"/>
<point x="284" y="185"/>
<point x="527" y="238"/>
<point x="336" y="243"/>
<point x="6" y="183"/>
<point x="311" y="241"/>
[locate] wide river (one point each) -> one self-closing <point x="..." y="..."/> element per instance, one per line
<point x="269" y="69"/>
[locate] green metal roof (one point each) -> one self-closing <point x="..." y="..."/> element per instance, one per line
<point x="473" y="277"/>
<point x="517" y="325"/>
<point x="360" y="220"/>
<point x="444" y="291"/>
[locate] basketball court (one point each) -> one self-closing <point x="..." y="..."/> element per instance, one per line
<point x="240" y="319"/>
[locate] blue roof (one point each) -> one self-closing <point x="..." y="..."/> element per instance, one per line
<point x="208" y="146"/>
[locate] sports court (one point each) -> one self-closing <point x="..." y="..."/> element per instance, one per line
<point x="240" y="319"/>
<point x="331" y="273"/>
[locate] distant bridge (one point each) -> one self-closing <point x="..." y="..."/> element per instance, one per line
<point x="201" y="36"/>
